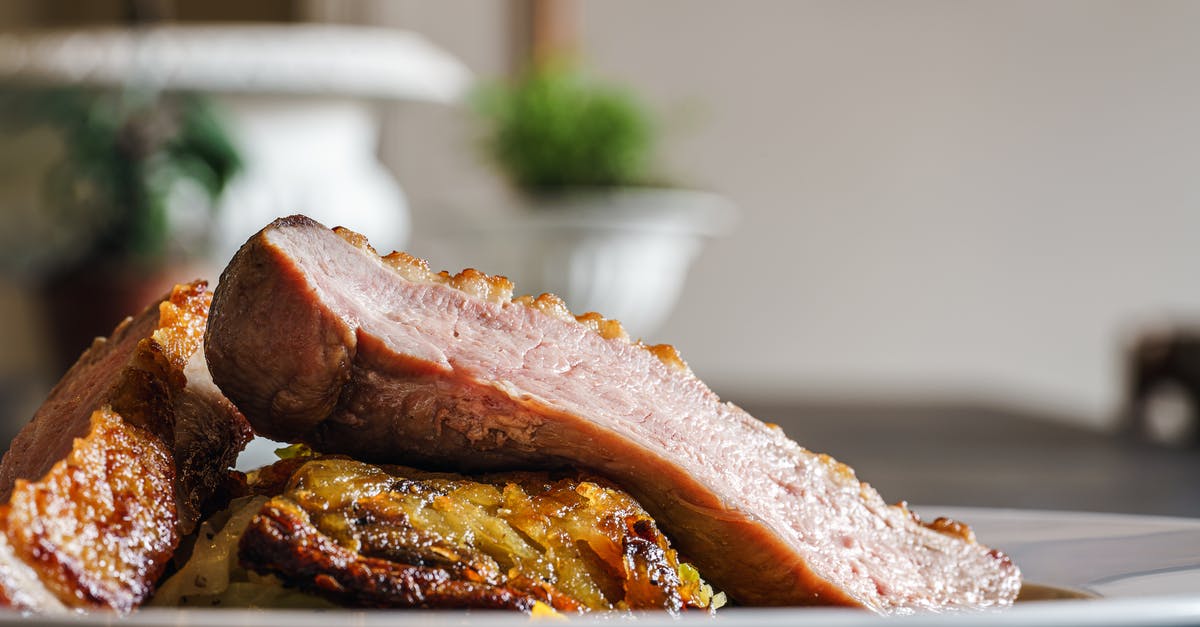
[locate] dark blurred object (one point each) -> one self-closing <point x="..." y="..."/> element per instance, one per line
<point x="74" y="12"/>
<point x="1163" y="393"/>
<point x="20" y="396"/>
<point x="84" y="302"/>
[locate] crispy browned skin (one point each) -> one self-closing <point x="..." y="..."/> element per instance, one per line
<point x="389" y="536"/>
<point x="95" y="502"/>
<point x="98" y="529"/>
<point x="20" y="586"/>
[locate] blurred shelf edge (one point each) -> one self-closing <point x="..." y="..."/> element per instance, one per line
<point x="275" y="59"/>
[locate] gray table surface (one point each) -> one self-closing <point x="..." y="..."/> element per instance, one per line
<point x="991" y="458"/>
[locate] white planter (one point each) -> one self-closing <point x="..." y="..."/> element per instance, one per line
<point x="310" y="155"/>
<point x="623" y="253"/>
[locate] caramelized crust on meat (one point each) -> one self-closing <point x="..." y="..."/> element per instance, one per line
<point x="390" y="536"/>
<point x="498" y="289"/>
<point x="98" y="529"/>
<point x="117" y="463"/>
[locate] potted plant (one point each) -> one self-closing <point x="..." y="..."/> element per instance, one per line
<point x="126" y="201"/>
<point x="554" y="131"/>
<point x="594" y="225"/>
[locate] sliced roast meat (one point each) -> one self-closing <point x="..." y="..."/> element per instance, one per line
<point x="116" y="464"/>
<point x="318" y="339"/>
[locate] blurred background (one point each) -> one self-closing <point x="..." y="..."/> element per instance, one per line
<point x="955" y="244"/>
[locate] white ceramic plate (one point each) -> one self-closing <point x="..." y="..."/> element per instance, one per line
<point x="1146" y="571"/>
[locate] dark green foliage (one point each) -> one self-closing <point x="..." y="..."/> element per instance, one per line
<point x="553" y="129"/>
<point x="123" y="155"/>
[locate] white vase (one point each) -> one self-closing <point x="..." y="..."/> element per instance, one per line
<point x="309" y="155"/>
<point x="624" y="253"/>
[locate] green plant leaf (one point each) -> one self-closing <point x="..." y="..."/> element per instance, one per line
<point x="554" y="129"/>
<point x="124" y="151"/>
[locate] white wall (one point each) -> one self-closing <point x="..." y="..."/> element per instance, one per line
<point x="942" y="200"/>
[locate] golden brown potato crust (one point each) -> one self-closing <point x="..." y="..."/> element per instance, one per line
<point x="390" y="536"/>
<point x="282" y="540"/>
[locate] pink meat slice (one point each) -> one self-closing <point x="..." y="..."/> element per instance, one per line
<point x="317" y="339"/>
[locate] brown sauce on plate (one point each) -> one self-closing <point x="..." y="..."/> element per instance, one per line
<point x="1039" y="592"/>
